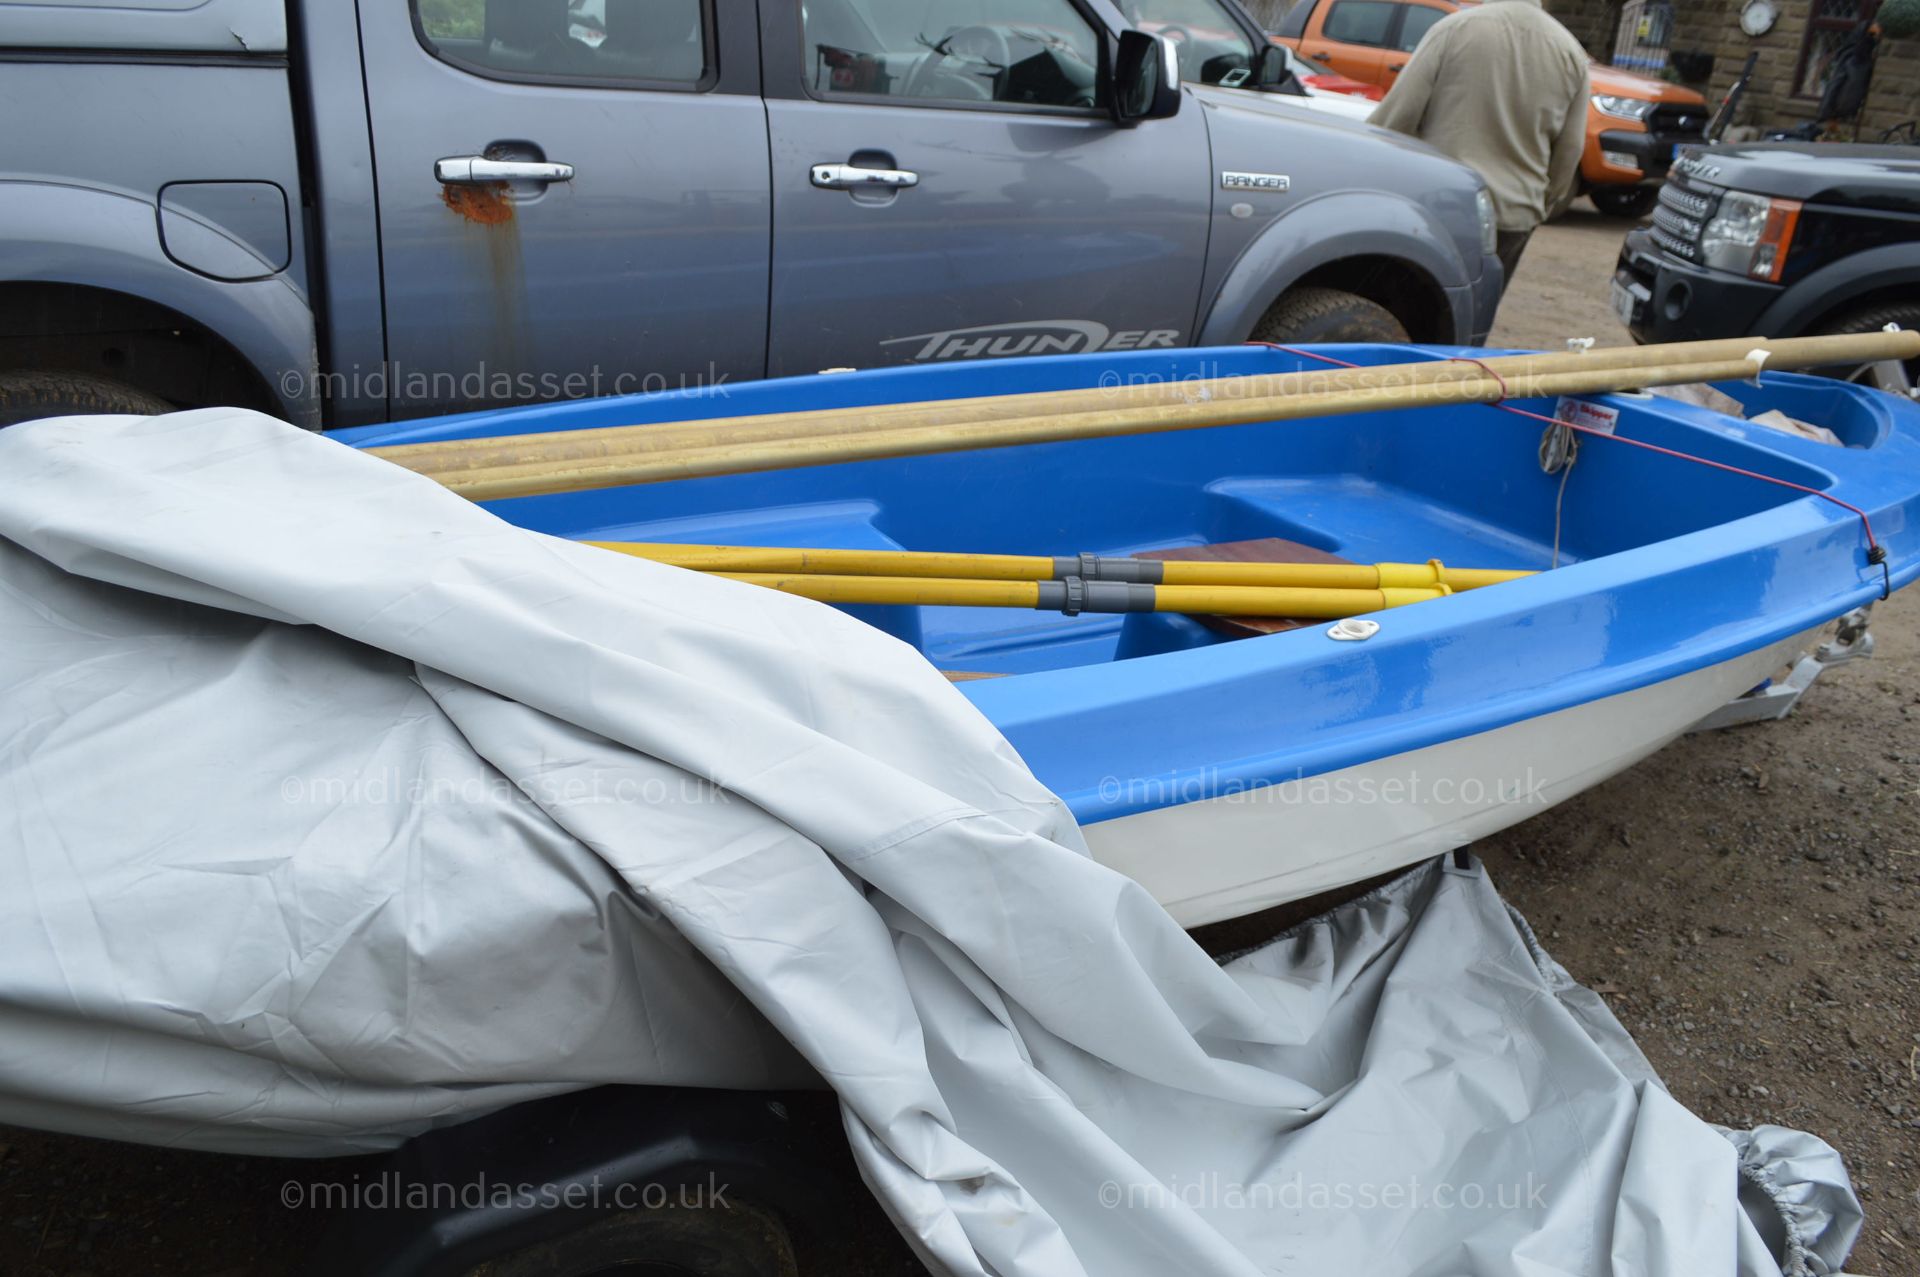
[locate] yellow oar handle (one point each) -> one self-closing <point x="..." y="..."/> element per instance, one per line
<point x="1338" y="576"/>
<point x="1034" y="567"/>
<point x="1297" y="601"/>
<point x="1077" y="596"/>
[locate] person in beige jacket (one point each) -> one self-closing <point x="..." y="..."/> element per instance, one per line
<point x="1501" y="87"/>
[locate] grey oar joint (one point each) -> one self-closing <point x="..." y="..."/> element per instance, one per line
<point x="1092" y="567"/>
<point x="1074" y="596"/>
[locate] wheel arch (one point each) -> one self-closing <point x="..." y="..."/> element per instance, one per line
<point x="81" y="328"/>
<point x="1377" y="245"/>
<point x="82" y="262"/>
<point x="1875" y="277"/>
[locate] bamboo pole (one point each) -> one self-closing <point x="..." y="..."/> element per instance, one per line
<point x="779" y="454"/>
<point x="448" y="457"/>
<point x="1094" y="596"/>
<point x="1035" y="567"/>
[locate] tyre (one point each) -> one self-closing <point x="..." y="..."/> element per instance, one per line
<point x="1625" y="201"/>
<point x="1308" y="315"/>
<point x="29" y="396"/>
<point x="733" y="1240"/>
<point x="1872" y="319"/>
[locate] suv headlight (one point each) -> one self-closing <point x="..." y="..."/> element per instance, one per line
<point x="1750" y="235"/>
<point x="1489" y="225"/>
<point x="1622" y="108"/>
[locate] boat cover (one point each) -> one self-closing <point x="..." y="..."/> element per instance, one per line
<point x="333" y="807"/>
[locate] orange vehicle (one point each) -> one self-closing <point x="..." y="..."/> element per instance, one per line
<point x="1633" y="121"/>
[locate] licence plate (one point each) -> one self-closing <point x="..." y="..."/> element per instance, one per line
<point x="1626" y="300"/>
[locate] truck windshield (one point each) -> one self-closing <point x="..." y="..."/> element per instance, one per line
<point x="1214" y="48"/>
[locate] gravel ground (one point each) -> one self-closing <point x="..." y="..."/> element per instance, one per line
<point x="1747" y="901"/>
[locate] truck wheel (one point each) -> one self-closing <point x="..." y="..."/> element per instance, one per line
<point x="1625" y="201"/>
<point x="1328" y="314"/>
<point x="1872" y="320"/>
<point x="29" y="396"/>
<point x="734" y="1240"/>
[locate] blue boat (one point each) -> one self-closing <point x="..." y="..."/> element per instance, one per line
<point x="1230" y="775"/>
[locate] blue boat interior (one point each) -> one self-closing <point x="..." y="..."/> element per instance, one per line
<point x="1462" y="484"/>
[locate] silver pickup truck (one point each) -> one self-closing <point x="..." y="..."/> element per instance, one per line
<point x="347" y="213"/>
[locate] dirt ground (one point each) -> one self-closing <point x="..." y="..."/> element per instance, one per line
<point x="1747" y="901"/>
<point x="1560" y="290"/>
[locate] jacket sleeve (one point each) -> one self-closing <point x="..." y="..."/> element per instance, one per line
<point x="1563" y="167"/>
<point x="1405" y="106"/>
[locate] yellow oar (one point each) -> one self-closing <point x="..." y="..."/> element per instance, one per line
<point x="1076" y="596"/>
<point x="1036" y="567"/>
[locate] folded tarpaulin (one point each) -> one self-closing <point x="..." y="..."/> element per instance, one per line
<point x="333" y="807"/>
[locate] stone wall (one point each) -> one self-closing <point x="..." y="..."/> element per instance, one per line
<point x="1770" y="99"/>
<point x="1592" y="21"/>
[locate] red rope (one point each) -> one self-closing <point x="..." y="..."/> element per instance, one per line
<point x="1876" y="554"/>
<point x="1497" y="378"/>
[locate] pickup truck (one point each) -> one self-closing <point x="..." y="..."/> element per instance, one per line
<point x="1634" y="121"/>
<point x="1786" y="239"/>
<point x="345" y="214"/>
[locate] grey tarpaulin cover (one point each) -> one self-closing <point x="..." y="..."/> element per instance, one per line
<point x="332" y="807"/>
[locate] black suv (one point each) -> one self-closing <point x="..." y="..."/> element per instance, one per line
<point x="1777" y="239"/>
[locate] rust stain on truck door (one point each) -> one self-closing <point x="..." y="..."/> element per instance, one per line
<point x="487" y="205"/>
<point x="489" y="209"/>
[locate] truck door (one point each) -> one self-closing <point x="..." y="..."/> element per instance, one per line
<point x="948" y="184"/>
<point x="1353" y="37"/>
<point x="573" y="199"/>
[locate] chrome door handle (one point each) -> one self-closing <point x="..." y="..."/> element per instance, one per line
<point x="847" y="177"/>
<point x="475" y="170"/>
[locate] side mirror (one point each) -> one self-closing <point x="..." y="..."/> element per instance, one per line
<point x="1270" y="68"/>
<point x="1146" y="78"/>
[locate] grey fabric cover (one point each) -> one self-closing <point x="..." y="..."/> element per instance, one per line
<point x="332" y="807"/>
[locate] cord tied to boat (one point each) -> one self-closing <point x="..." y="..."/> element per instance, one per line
<point x="1757" y="358"/>
<point x="1498" y="380"/>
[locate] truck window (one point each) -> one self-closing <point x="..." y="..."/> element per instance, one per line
<point x="1413" y="28"/>
<point x="1359" y="22"/>
<point x="1212" y="46"/>
<point x="659" y="43"/>
<point x="1018" y="52"/>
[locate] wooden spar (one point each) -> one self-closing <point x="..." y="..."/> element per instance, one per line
<point x="787" y="560"/>
<point x="780" y="454"/>
<point x="448" y="457"/>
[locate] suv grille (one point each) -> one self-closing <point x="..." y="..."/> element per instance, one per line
<point x="1680" y="217"/>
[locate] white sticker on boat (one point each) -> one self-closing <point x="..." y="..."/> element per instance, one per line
<point x="1593" y="416"/>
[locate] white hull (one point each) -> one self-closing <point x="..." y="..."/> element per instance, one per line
<point x="1231" y="855"/>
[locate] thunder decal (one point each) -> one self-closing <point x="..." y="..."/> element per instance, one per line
<point x="1036" y="337"/>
